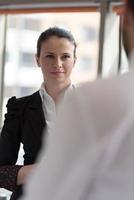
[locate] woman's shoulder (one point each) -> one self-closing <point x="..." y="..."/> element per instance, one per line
<point x="21" y="101"/>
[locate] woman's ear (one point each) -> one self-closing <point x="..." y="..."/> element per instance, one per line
<point x="37" y="60"/>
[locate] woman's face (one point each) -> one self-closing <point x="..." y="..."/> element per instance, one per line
<point x="56" y="60"/>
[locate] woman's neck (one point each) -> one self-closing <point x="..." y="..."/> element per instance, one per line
<point x="55" y="90"/>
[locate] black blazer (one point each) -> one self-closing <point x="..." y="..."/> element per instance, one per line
<point x="24" y="123"/>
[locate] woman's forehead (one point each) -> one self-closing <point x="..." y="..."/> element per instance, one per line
<point x="57" y="44"/>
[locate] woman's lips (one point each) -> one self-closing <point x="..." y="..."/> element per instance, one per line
<point x="57" y="72"/>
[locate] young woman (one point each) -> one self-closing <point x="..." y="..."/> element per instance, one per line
<point x="27" y="117"/>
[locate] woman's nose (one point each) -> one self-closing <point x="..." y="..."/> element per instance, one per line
<point x="58" y="63"/>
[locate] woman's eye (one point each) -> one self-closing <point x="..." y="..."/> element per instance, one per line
<point x="66" y="56"/>
<point x="49" y="56"/>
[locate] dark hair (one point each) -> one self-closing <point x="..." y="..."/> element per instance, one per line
<point x="55" y="31"/>
<point x="131" y="5"/>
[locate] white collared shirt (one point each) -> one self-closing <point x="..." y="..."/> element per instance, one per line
<point x="90" y="156"/>
<point x="49" y="107"/>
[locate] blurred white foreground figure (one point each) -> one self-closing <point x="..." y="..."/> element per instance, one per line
<point x="90" y="154"/>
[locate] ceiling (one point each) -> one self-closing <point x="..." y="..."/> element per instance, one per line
<point x="7" y="2"/>
<point x="28" y="4"/>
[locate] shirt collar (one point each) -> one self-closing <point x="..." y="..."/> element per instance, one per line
<point x="44" y="94"/>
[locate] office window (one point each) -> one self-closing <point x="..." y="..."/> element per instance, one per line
<point x="85" y="64"/>
<point x="31" y="24"/>
<point x="27" y="59"/>
<point x="13" y="22"/>
<point x="88" y="33"/>
<point x="7" y="57"/>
